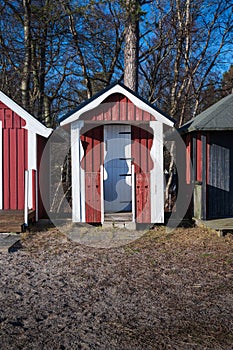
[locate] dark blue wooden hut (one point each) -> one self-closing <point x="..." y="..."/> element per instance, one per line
<point x="209" y="142"/>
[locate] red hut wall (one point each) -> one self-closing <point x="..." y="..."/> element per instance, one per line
<point x="15" y="151"/>
<point x="117" y="108"/>
<point x="93" y="158"/>
<point x="141" y="145"/>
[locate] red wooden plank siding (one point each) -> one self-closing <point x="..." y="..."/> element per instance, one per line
<point x="14" y="158"/>
<point x="141" y="146"/>
<point x="143" y="198"/>
<point x="131" y="111"/>
<point x="143" y="150"/>
<point x="93" y="158"/>
<point x="6" y="169"/>
<point x="117" y="107"/>
<point x="16" y="121"/>
<point x="207" y="158"/>
<point x="93" y="200"/>
<point x="199" y="158"/>
<point x="8" y="118"/>
<point x="34" y="189"/>
<point x="139" y="114"/>
<point x="123" y="108"/>
<point x="21" y="167"/>
<point x="13" y="169"/>
<point x="188" y="159"/>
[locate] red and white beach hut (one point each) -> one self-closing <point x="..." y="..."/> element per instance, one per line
<point x="22" y="140"/>
<point x="117" y="158"/>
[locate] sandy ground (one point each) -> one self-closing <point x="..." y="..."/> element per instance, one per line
<point x="161" y="291"/>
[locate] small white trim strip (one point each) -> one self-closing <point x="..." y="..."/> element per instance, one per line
<point x="26" y="186"/>
<point x="36" y="189"/>
<point x="82" y="183"/>
<point x="32" y="165"/>
<point x="118" y="89"/>
<point x="133" y="193"/>
<point x="102" y="192"/>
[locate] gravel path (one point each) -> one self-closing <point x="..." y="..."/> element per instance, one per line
<point x="163" y="291"/>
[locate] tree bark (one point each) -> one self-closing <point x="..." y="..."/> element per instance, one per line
<point x="131" y="49"/>
<point x="25" y="82"/>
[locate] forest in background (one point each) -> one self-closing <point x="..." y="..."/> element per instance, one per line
<point x="56" y="54"/>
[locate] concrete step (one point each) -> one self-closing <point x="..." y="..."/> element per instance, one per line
<point x="118" y="217"/>
<point x="128" y="225"/>
<point x="119" y="220"/>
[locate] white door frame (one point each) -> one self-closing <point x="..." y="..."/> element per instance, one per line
<point x="1" y="169"/>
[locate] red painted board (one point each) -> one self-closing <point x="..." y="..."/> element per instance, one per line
<point x="188" y="159"/>
<point x="21" y="168"/>
<point x="6" y="169"/>
<point x="199" y="158"/>
<point x="13" y="169"/>
<point x="143" y="198"/>
<point x="93" y="199"/>
<point x="8" y="119"/>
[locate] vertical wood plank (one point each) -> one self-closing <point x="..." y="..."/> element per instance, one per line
<point x="199" y="157"/>
<point x="188" y="159"/>
<point x="204" y="193"/>
<point x="194" y="157"/>
<point x="139" y="114"/>
<point x="123" y="108"/>
<point x="13" y="169"/>
<point x="6" y="169"/>
<point x="2" y="117"/>
<point x="115" y="107"/>
<point x="16" y="121"/>
<point x="136" y="148"/>
<point x="131" y="111"/>
<point x="143" y="198"/>
<point x="143" y="151"/>
<point x="21" y="168"/>
<point x="33" y="189"/>
<point x="8" y="118"/>
<point x="1" y="167"/>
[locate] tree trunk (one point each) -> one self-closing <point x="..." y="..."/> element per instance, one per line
<point x="131" y="45"/>
<point x="25" y="82"/>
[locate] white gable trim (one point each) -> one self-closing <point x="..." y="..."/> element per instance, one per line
<point x="32" y="124"/>
<point x="118" y="89"/>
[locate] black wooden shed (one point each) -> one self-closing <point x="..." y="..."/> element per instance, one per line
<point x="209" y="142"/>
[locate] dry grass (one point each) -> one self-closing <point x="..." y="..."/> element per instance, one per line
<point x="163" y="291"/>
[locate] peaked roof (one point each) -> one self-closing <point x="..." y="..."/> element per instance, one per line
<point x="32" y="124"/>
<point x="219" y="116"/>
<point x="112" y="89"/>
